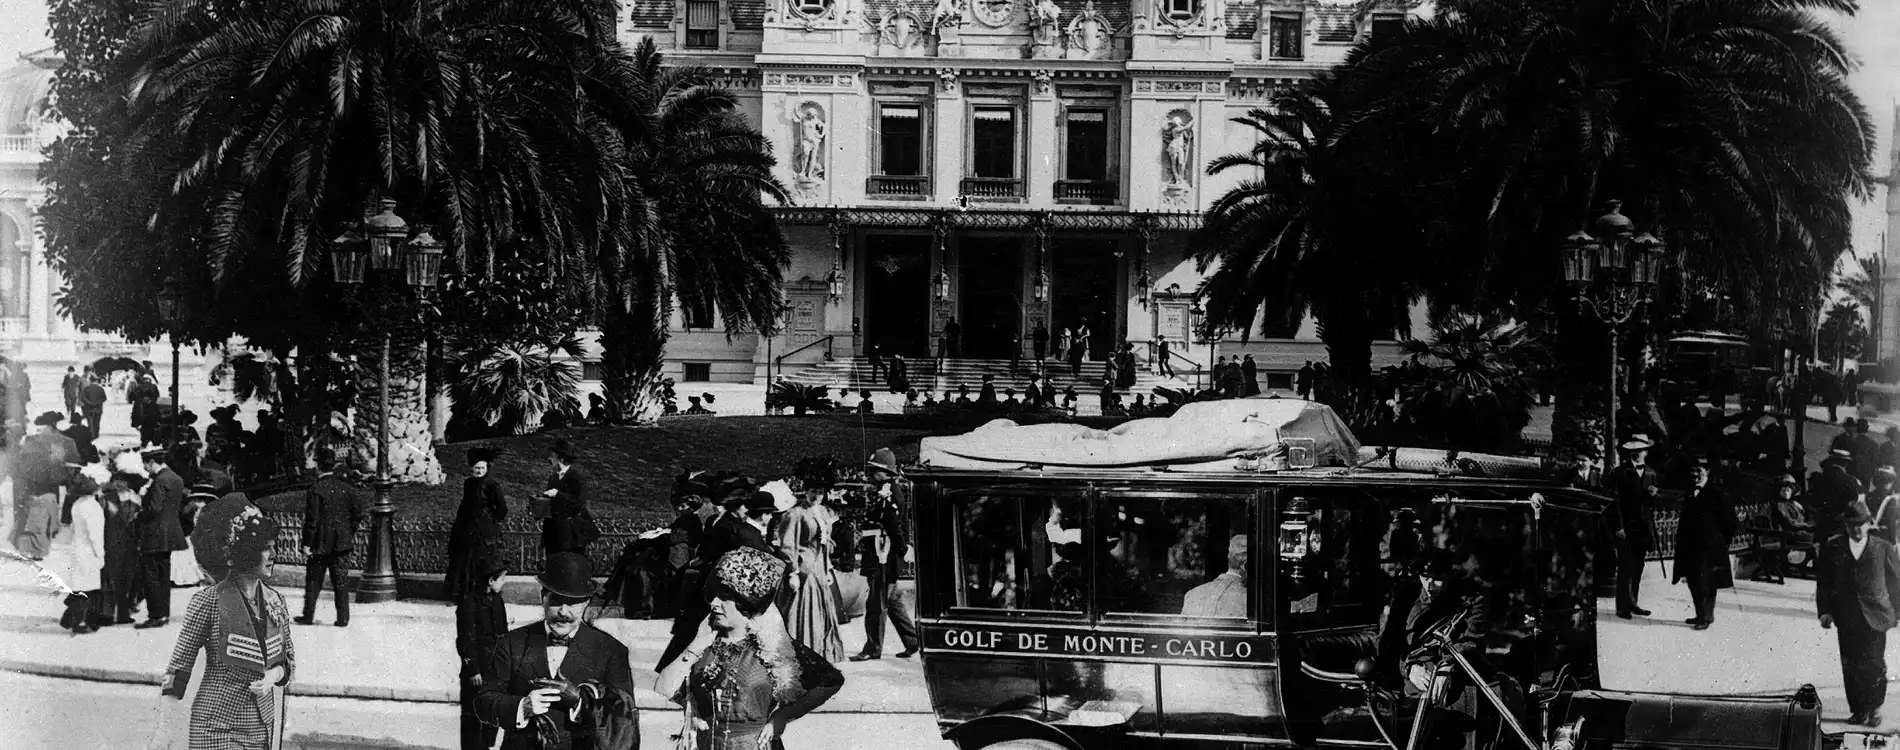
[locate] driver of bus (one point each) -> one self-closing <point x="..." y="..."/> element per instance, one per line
<point x="1428" y="606"/>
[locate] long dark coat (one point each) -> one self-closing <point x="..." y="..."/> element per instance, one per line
<point x="521" y="657"/>
<point x="573" y="491"/>
<point x="476" y="537"/>
<point x="122" y="547"/>
<point x="1632" y="513"/>
<point x="333" y="511"/>
<point x="1702" y="539"/>
<point x="159" y="527"/>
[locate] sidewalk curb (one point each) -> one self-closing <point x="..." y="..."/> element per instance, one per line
<point x="644" y="698"/>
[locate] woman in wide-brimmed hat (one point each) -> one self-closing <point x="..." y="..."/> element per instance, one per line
<point x="242" y="626"/>
<point x="810" y="600"/>
<point x="744" y="682"/>
<point x="475" y="540"/>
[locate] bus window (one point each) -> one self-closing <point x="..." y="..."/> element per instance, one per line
<point x="1017" y="552"/>
<point x="1177" y="556"/>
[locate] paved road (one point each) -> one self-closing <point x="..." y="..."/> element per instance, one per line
<point x="59" y="714"/>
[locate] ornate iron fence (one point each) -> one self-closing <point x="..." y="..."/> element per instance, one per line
<point x="422" y="546"/>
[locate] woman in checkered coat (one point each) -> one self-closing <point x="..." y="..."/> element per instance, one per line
<point x="244" y="630"/>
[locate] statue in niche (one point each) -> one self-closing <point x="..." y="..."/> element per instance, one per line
<point x="947" y="14"/>
<point x="808" y="161"/>
<point x="1045" y="23"/>
<point x="1177" y="137"/>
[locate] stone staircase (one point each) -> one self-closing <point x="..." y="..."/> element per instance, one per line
<point x="855" y="373"/>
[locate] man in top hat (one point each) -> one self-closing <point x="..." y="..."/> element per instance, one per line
<point x="1632" y="522"/>
<point x="532" y="681"/>
<point x="1835" y="488"/>
<point x="881" y="550"/>
<point x="159" y="535"/>
<point x="569" y="526"/>
<point x="333" y="511"/>
<point x="1857" y="588"/>
<point x="1702" y="539"/>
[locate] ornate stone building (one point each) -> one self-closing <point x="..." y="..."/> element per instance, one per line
<point x="31" y="329"/>
<point x="1002" y="162"/>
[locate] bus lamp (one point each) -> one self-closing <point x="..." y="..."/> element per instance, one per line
<point x="1298" y="542"/>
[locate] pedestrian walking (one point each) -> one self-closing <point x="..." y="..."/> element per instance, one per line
<point x="120" y="576"/>
<point x="332" y="512"/>
<point x="809" y="601"/>
<point x="87" y="557"/>
<point x="1702" y="538"/>
<point x="481" y="622"/>
<point x="1250" y="375"/>
<point x="569" y="525"/>
<point x="876" y="361"/>
<point x="1076" y="352"/>
<point x="92" y="403"/>
<point x="550" y="684"/>
<point x="882" y="547"/>
<point x="743" y="683"/>
<point x="1164" y="353"/>
<point x="69" y="391"/>
<point x="1039" y="339"/>
<point x="243" y="628"/>
<point x="160" y="535"/>
<point x="1303" y="380"/>
<point x="952" y="340"/>
<point x="475" y="539"/>
<point x="1063" y="336"/>
<point x="1834" y="489"/>
<point x="1633" y="523"/>
<point x="1856" y="586"/>
<point x="1082" y="342"/>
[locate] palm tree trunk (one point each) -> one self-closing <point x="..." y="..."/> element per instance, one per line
<point x="411" y="437"/>
<point x="633" y="351"/>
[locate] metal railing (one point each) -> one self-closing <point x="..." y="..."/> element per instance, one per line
<point x="778" y="364"/>
<point x="993" y="188"/>
<point x="898" y="186"/>
<point x="1093" y="192"/>
<point x="1197" y="370"/>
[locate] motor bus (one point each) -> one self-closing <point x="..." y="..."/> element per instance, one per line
<point x="1243" y="574"/>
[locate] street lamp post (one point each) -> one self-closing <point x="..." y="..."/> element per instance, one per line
<point x="1616" y="295"/>
<point x="171" y="310"/>
<point x="420" y="261"/>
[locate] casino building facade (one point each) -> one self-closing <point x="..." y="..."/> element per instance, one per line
<point x="1001" y="162"/>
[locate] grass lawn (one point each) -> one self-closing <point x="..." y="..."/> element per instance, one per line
<point x="633" y="467"/>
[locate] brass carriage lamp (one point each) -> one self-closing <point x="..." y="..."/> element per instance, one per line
<point x="943" y="285"/>
<point x="423" y="263"/>
<point x="834" y="282"/>
<point x="1297" y="538"/>
<point x="385" y="231"/>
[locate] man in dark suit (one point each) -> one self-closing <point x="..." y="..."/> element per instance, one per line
<point x="1856" y="584"/>
<point x="1702" y="538"/>
<point x="159" y="535"/>
<point x="881" y="551"/>
<point x="332" y="512"/>
<point x="1633" y="523"/>
<point x="532" y="681"/>
<point x="1834" y="489"/>
<point x="69" y="389"/>
<point x="92" y="402"/>
<point x="569" y="490"/>
<point x="1866" y="452"/>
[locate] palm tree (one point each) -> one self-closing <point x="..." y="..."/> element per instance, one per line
<point x="1293" y="237"/>
<point x="698" y="223"/>
<point x="1478" y="389"/>
<point x="1726" y="126"/>
<point x="253" y="132"/>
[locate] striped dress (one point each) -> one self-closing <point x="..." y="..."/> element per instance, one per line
<point x="226" y="715"/>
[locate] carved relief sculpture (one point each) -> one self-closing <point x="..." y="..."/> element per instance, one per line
<point x="808" y="147"/>
<point x="1045" y="23"/>
<point x="947" y="14"/>
<point x="1177" y="156"/>
<point x="901" y="30"/>
<point x="947" y="81"/>
<point x="1089" y="33"/>
<point x="1045" y="82"/>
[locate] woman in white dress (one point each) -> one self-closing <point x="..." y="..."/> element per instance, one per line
<point x="86" y="556"/>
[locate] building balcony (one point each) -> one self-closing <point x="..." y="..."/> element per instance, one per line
<point x="898" y="187"/>
<point x="993" y="189"/>
<point x="1088" y="192"/>
<point x="21" y="148"/>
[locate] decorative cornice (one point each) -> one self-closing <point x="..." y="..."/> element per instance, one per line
<point x="1025" y="220"/>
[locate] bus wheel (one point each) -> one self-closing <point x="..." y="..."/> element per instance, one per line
<point x="1023" y="744"/>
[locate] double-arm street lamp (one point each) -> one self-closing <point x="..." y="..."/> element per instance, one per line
<point x="1612" y="271"/>
<point x="382" y="244"/>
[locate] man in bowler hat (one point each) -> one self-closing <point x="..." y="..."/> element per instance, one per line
<point x="1702" y="539"/>
<point x="533" y="681"/>
<point x="881" y="549"/>
<point x="333" y="511"/>
<point x="1856" y="582"/>
<point x="1835" y="488"/>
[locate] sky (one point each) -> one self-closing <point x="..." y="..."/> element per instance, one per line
<point x="1873" y="36"/>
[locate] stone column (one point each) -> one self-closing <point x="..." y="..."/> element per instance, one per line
<point x="1045" y="164"/>
<point x="39" y="295"/>
<point x="947" y="146"/>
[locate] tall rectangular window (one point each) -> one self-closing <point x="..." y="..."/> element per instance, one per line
<point x="900" y="139"/>
<point x="702" y="24"/>
<point x="696" y="312"/>
<point x="1284" y="32"/>
<point x="993" y="142"/>
<point x="1387" y="26"/>
<point x="1086" y="157"/>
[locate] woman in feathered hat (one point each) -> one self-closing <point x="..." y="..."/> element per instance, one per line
<point x="244" y="629"/>
<point x="746" y="680"/>
<point x="475" y="540"/>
